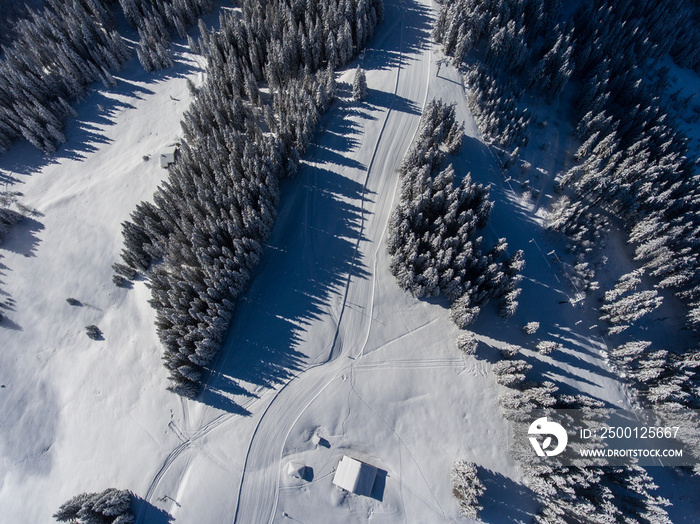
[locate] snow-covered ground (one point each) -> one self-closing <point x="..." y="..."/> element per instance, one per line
<point x="76" y="414"/>
<point x="324" y="341"/>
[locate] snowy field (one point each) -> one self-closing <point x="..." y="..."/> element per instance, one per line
<point x="78" y="414"/>
<point x="323" y="343"/>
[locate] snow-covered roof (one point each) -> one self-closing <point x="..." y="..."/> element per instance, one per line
<point x="167" y="155"/>
<point x="355" y="476"/>
<point x="296" y="470"/>
<point x="169" y="150"/>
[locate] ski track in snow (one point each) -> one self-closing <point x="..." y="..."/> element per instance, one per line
<point x="267" y="444"/>
<point x="347" y="307"/>
<point x="351" y="317"/>
<point x="254" y="498"/>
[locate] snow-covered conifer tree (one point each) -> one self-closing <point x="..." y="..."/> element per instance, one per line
<point x="467" y="488"/>
<point x="359" y="85"/>
<point x="467" y="343"/>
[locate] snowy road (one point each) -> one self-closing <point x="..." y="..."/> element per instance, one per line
<point x="257" y="495"/>
<point x="320" y="308"/>
<point x="310" y="306"/>
<point x="323" y="341"/>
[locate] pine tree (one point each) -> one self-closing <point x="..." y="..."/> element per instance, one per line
<point x="359" y="85"/>
<point x="467" y="488"/>
<point x="467" y="343"/>
<point x="111" y="506"/>
<point x="531" y="328"/>
<point x="511" y="373"/>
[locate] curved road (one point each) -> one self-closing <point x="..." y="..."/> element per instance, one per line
<point x="311" y="302"/>
<point x="410" y="71"/>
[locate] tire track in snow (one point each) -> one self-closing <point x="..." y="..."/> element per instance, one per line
<point x="413" y="458"/>
<point x="380" y="242"/>
<point x="364" y="194"/>
<point x="186" y="443"/>
<point x="307" y="384"/>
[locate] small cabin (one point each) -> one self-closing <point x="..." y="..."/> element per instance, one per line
<point x="167" y="156"/>
<point x="355" y="476"/>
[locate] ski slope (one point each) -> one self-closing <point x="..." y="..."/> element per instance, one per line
<point x="323" y="316"/>
<point x="323" y="342"/>
<point x="323" y="320"/>
<point x="377" y="177"/>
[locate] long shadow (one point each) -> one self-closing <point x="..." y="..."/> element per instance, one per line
<point x="7" y="305"/>
<point x="344" y="142"/>
<point x="6" y="179"/>
<point x="540" y="368"/>
<point x="9" y="324"/>
<point x="22" y="238"/>
<point x="327" y="155"/>
<point x="386" y="52"/>
<point x="344" y="131"/>
<point x="386" y="100"/>
<point x="149" y="512"/>
<point x="311" y="251"/>
<point x="504" y="500"/>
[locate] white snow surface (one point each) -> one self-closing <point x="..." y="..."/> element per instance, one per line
<point x="324" y="342"/>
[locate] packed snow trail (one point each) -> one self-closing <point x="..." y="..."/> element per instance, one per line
<point x="316" y="311"/>
<point x="259" y="484"/>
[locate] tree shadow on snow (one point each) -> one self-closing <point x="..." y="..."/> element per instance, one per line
<point x="148" y="513"/>
<point x="324" y="155"/>
<point x="7" y="303"/>
<point x="504" y="500"/>
<point x="308" y="260"/>
<point x="391" y="101"/>
<point x="9" y="324"/>
<point x="23" y="237"/>
<point x="392" y="44"/>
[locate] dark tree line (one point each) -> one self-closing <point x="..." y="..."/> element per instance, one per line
<point x="53" y="59"/>
<point x="200" y="239"/>
<point x="433" y="239"/>
<point x="156" y="20"/>
<point x="633" y="165"/>
<point x="59" y="51"/>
